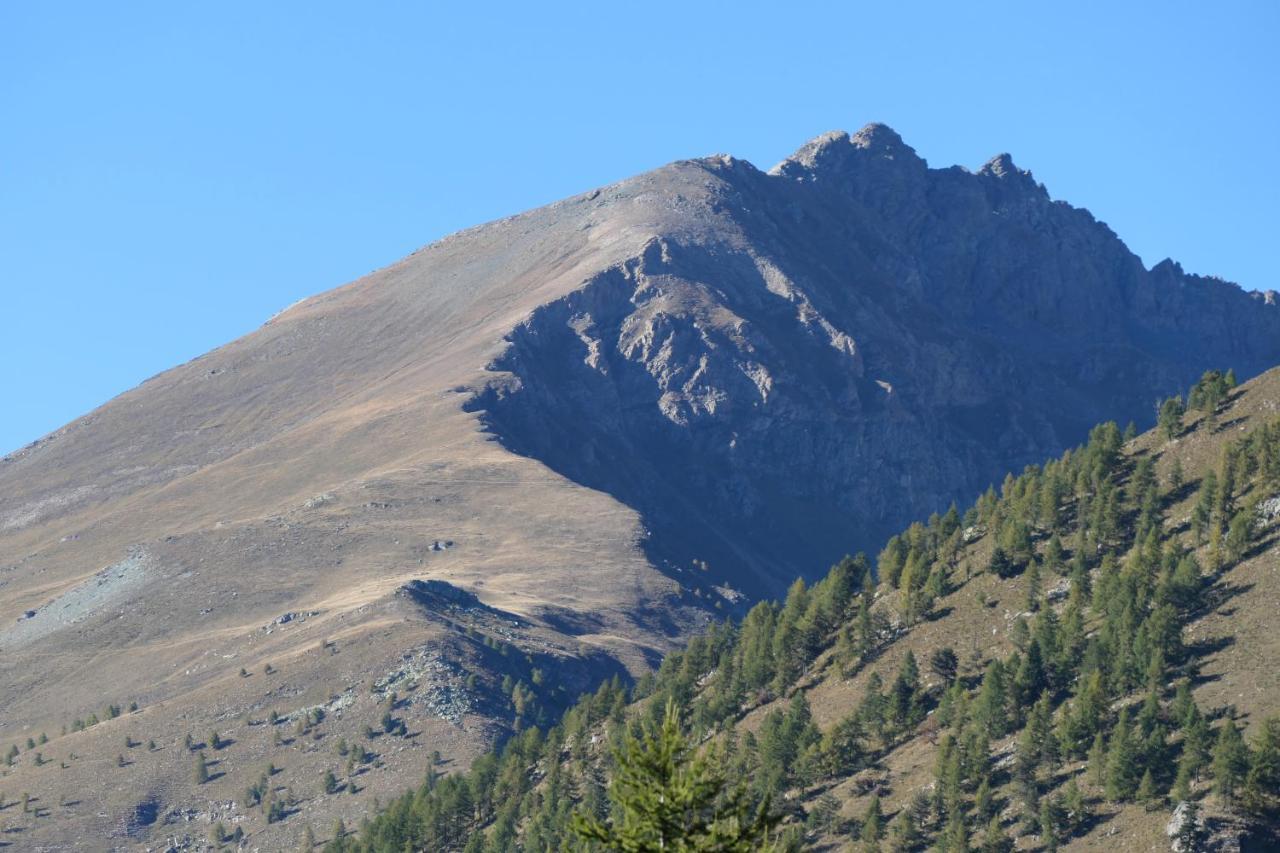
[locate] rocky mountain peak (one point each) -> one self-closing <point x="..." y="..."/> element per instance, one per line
<point x="1002" y="168"/>
<point x="837" y="153"/>
<point x="881" y="139"/>
<point x="732" y="369"/>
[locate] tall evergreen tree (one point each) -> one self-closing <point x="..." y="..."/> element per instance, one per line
<point x="1262" y="783"/>
<point x="1230" y="762"/>
<point x="945" y="664"/>
<point x="1169" y="418"/>
<point x="995" y="839"/>
<point x="669" y="797"/>
<point x="904" y="695"/>
<point x="1077" y="808"/>
<point x="872" y="829"/>
<point x="1123" y="769"/>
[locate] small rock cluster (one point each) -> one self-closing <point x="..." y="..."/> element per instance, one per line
<point x="438" y="685"/>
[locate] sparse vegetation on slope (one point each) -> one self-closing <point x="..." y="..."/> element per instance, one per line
<point x="1080" y="708"/>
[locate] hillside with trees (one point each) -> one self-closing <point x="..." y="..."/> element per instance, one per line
<point x="437" y="504"/>
<point x="1083" y="658"/>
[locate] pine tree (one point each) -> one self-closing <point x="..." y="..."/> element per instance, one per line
<point x="1040" y="724"/>
<point x="1206" y="501"/>
<point x="890" y="563"/>
<point x="864" y="626"/>
<point x="1169" y="418"/>
<point x="873" y="823"/>
<point x="1029" y="681"/>
<point x="1262" y="783"/>
<point x="1033" y="586"/>
<point x="1181" y="790"/>
<point x="1077" y="809"/>
<point x="1197" y="741"/>
<point x="1001" y="564"/>
<point x="995" y="840"/>
<point x="955" y="838"/>
<point x="1051" y="820"/>
<point x="989" y="711"/>
<point x="904" y="832"/>
<point x="1230" y="762"/>
<point x="1025" y="763"/>
<point x="1147" y="790"/>
<point x="202" y="769"/>
<point x="872" y="711"/>
<point x="904" y="695"/>
<point x="824" y="812"/>
<point x="945" y="664"/>
<point x="1239" y="535"/>
<point x="1122" y="762"/>
<point x="667" y="796"/>
<point x="984" y="804"/>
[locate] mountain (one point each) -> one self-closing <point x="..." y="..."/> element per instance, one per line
<point x="539" y="452"/>
<point x="1112" y="692"/>
<point x="815" y="355"/>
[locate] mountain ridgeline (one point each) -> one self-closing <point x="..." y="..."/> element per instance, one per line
<point x="811" y="356"/>
<point x="878" y="708"/>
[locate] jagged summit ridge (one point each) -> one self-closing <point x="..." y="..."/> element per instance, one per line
<point x="876" y="152"/>
<point x="836" y="151"/>
<point x="955" y="322"/>
<point x="1001" y="166"/>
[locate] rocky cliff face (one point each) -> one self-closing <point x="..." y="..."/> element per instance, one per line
<point x="857" y="342"/>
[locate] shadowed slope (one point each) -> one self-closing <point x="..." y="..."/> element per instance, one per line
<point x="860" y="342"/>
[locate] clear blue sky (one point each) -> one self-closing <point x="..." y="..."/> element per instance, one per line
<point x="171" y="174"/>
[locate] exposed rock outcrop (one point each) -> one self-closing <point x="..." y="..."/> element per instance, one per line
<point x="857" y="342"/>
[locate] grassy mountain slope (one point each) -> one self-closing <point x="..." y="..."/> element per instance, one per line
<point x="1111" y="619"/>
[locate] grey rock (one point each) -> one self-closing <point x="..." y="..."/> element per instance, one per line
<point x="1269" y="509"/>
<point x="805" y="360"/>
